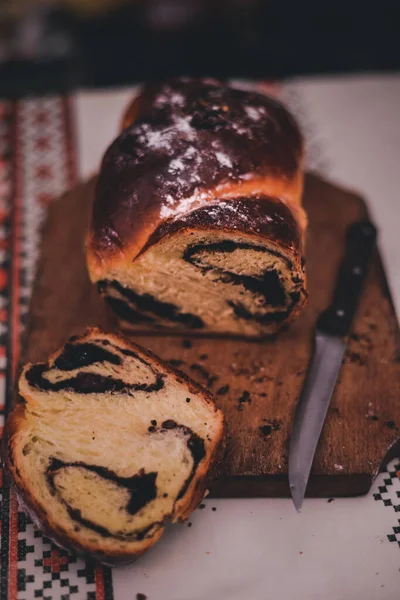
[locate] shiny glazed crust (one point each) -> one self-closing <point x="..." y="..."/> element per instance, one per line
<point x="114" y="552"/>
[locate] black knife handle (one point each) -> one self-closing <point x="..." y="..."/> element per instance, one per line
<point x="360" y="242"/>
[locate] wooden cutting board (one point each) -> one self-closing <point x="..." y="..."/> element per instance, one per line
<point x="256" y="384"/>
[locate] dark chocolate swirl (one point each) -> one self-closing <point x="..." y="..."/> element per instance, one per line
<point x="142" y="486"/>
<point x="78" y="356"/>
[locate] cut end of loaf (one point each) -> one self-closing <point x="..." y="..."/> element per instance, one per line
<point x="108" y="445"/>
<point x="231" y="268"/>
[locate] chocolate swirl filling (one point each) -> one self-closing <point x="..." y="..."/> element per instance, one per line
<point x="135" y="305"/>
<point x="79" y="356"/>
<point x="196" y="447"/>
<point x="141" y="486"/>
<point x="269" y="286"/>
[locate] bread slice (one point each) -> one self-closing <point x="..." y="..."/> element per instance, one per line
<point x="107" y="443"/>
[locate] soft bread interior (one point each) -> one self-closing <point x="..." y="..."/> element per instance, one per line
<point x="111" y="466"/>
<point x="213" y="281"/>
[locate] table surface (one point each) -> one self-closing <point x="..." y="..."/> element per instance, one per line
<point x="260" y="548"/>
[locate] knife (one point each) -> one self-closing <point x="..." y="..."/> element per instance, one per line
<point x="333" y="326"/>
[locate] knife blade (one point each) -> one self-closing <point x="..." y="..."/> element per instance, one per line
<point x="333" y="326"/>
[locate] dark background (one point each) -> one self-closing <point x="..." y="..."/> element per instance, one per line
<point x="47" y="48"/>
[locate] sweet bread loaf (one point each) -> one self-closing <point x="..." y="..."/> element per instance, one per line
<point x="108" y="443"/>
<point x="197" y="220"/>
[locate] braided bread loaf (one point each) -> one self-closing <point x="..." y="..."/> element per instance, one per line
<point x="197" y="221"/>
<point x="108" y="444"/>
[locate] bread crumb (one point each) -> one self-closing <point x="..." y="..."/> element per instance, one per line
<point x="174" y="362"/>
<point x="223" y="390"/>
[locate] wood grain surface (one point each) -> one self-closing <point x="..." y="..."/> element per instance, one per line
<point x="256" y="384"/>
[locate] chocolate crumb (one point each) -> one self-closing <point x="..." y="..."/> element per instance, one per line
<point x="212" y="380"/>
<point x="223" y="390"/>
<point x="356" y="358"/>
<point x="187" y="344"/>
<point x="203" y="371"/>
<point x="363" y="338"/>
<point x="271" y="426"/>
<point x="189" y="524"/>
<point x="202" y="506"/>
<point x="330" y="500"/>
<point x="174" y="362"/>
<point x="373" y="417"/>
<point x="153" y="422"/>
<point x="151" y="429"/>
<point x="203" y="356"/>
<point x="390" y="424"/>
<point x="165" y="495"/>
<point x="263" y="394"/>
<point x="265" y="429"/>
<point x="200" y="369"/>
<point x="214" y="508"/>
<point x="169" y="424"/>
<point x="245" y="398"/>
<point x="141" y="597"/>
<point x="187" y="399"/>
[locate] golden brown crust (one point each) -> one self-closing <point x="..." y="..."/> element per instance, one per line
<point x="258" y="216"/>
<point x="193" y="141"/>
<point x="70" y="540"/>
